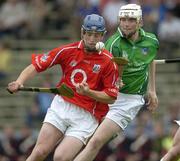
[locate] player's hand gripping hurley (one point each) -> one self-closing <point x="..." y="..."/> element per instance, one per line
<point x="63" y="90"/>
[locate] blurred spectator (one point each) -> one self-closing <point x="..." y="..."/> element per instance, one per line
<point x="167" y="141"/>
<point x="5" y="60"/>
<point x="173" y="114"/>
<point x="13" y="18"/>
<point x="9" y="143"/>
<point x="176" y="8"/>
<point x="57" y="23"/>
<point x="169" y="29"/>
<point x="36" y="12"/>
<point x="157" y="147"/>
<point x="60" y="14"/>
<point x="16" y="145"/>
<point x="26" y="139"/>
<point x="123" y="149"/>
<point x="104" y="154"/>
<point x="142" y="144"/>
<point x="153" y="13"/>
<point x="110" y="13"/>
<point x="85" y="8"/>
<point x="102" y="4"/>
<point x="1" y="2"/>
<point x="94" y="2"/>
<point x="169" y="35"/>
<point x="82" y="9"/>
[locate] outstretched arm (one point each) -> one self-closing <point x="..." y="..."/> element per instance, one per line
<point x="28" y="73"/>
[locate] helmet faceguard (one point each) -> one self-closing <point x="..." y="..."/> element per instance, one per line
<point x="130" y="11"/>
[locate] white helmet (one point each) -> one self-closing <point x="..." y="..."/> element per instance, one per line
<point x="130" y="10"/>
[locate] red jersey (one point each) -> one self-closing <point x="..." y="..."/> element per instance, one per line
<point x="96" y="69"/>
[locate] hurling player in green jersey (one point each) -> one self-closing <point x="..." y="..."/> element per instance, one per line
<point x="140" y="48"/>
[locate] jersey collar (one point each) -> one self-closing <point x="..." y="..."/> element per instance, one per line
<point x="119" y="30"/>
<point x="80" y="45"/>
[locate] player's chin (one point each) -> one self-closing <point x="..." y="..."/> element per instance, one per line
<point x="127" y="34"/>
<point x="91" y="48"/>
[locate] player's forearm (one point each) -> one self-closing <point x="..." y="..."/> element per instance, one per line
<point x="152" y="71"/>
<point x="100" y="96"/>
<point x="28" y="73"/>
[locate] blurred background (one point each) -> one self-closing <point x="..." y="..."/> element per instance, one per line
<point x="37" y="26"/>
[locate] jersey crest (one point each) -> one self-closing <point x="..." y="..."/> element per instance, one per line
<point x="44" y="58"/>
<point x="96" y="68"/>
<point x="144" y="51"/>
<point x="73" y="63"/>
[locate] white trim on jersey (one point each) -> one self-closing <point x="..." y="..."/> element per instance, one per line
<point x="152" y="38"/>
<point x="71" y="47"/>
<point x="113" y="43"/>
<point x="79" y="44"/>
<point x="107" y="55"/>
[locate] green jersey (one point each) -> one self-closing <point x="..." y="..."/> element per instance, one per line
<point x="140" y="54"/>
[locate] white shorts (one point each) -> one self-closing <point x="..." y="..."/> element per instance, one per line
<point x="125" y="108"/>
<point x="71" y="120"/>
<point x="178" y="122"/>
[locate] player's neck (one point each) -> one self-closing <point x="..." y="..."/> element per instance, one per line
<point x="135" y="36"/>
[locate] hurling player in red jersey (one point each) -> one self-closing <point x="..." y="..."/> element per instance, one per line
<point x="93" y="77"/>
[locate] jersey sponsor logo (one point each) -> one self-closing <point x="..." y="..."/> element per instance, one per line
<point x="144" y="51"/>
<point x="44" y="58"/>
<point x="76" y="72"/>
<point x="73" y="63"/>
<point x="96" y="68"/>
